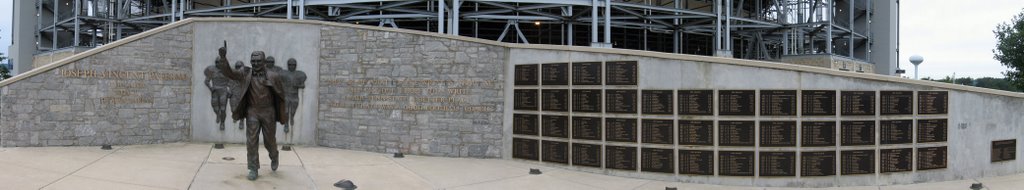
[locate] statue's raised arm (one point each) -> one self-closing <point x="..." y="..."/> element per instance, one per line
<point x="225" y="66"/>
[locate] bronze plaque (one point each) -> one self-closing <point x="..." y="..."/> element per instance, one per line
<point x="696" y="102"/>
<point x="656" y="102"/>
<point x="657" y="160"/>
<point x="620" y="101"/>
<point x="554" y="126"/>
<point x="932" y="102"/>
<point x="896" y="102"/>
<point x="896" y="131"/>
<point x="620" y="130"/>
<point x="931" y="130"/>
<point x="555" y="151"/>
<point x="586" y="128"/>
<point x="586" y="100"/>
<point x="699" y="162"/>
<point x="777" y="164"/>
<point x="695" y="132"/>
<point x="856" y="133"/>
<point x="620" y="157"/>
<point x="857" y="162"/>
<point x="656" y="131"/>
<point x="858" y="103"/>
<point x="526" y="75"/>
<point x="736" y="102"/>
<point x="818" y="163"/>
<point x="525" y="99"/>
<point x="586" y="155"/>
<point x="818" y="133"/>
<point x="818" y="102"/>
<point x="778" y="102"/>
<point x="736" y="163"/>
<point x="896" y="160"/>
<point x="736" y="133"/>
<point x="931" y="158"/>
<point x="778" y="133"/>
<point x="587" y="73"/>
<point x="524" y="124"/>
<point x="621" y="72"/>
<point x="1004" y="150"/>
<point x="554" y="74"/>
<point x="554" y="100"/>
<point x="525" y="148"/>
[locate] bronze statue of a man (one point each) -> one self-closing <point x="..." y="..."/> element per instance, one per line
<point x="261" y="104"/>
<point x="218" y="85"/>
<point x="296" y="80"/>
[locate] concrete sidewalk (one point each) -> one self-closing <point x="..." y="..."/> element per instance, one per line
<point x="199" y="166"/>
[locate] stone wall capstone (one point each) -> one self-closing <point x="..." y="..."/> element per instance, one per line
<point x="130" y="94"/>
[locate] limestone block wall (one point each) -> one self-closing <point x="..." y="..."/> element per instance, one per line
<point x="387" y="91"/>
<point x="128" y="94"/>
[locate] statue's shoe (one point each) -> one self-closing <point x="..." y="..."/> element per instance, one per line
<point x="286" y="129"/>
<point x="273" y="165"/>
<point x="252" y="175"/>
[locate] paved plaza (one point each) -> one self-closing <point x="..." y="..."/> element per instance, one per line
<point x="200" y="166"/>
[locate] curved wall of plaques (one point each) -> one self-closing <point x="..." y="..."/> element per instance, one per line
<point x="680" y="120"/>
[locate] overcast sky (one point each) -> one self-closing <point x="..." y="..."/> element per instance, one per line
<point x="953" y="36"/>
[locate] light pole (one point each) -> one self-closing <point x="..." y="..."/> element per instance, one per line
<point x="916" y="60"/>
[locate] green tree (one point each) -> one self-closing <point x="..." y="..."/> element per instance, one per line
<point x="4" y="72"/>
<point x="1010" y="48"/>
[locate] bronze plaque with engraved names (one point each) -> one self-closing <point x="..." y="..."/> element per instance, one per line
<point x="818" y="102"/>
<point x="778" y="102"/>
<point x="554" y="74"/>
<point x="855" y="133"/>
<point x="736" y="163"/>
<point x="736" y="133"/>
<point x="857" y="103"/>
<point x="657" y="160"/>
<point x="699" y="162"/>
<point x="620" y="101"/>
<point x="586" y="155"/>
<point x="696" y="132"/>
<point x="526" y="75"/>
<point x="932" y="130"/>
<point x="896" y="131"/>
<point x="554" y="126"/>
<point x="778" y="133"/>
<point x="586" y="100"/>
<point x="821" y="163"/>
<point x="736" y="102"/>
<point x="656" y="102"/>
<point x="555" y="151"/>
<point x="931" y="158"/>
<point x="1004" y="150"/>
<point x="932" y="102"/>
<point x="586" y="73"/>
<point x="588" y="128"/>
<point x="896" y="160"/>
<point x="620" y="157"/>
<point x="896" y="102"/>
<point x="857" y="162"/>
<point x="554" y="100"/>
<point x="777" y="164"/>
<point x="817" y="133"/>
<point x="657" y="131"/>
<point x="621" y="72"/>
<point x="524" y="124"/>
<point x="696" y="102"/>
<point x="525" y="99"/>
<point x="525" y="148"/>
<point x="620" y="129"/>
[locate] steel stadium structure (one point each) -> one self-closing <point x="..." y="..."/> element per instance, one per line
<point x="852" y="35"/>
